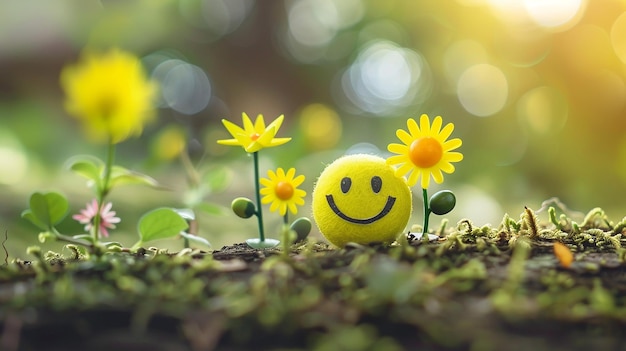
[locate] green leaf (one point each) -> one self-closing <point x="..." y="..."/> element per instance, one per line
<point x="87" y="166"/>
<point x="28" y="215"/>
<point x="196" y="238"/>
<point x="161" y="223"/>
<point x="123" y="176"/>
<point x="46" y="210"/>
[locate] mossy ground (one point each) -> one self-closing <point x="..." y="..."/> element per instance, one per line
<point x="477" y="288"/>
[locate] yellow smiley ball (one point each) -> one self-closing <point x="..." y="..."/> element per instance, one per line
<point x="358" y="198"/>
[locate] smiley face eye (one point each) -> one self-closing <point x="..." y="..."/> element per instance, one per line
<point x="377" y="184"/>
<point x="346" y="183"/>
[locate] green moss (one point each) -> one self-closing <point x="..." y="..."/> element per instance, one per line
<point x="452" y="293"/>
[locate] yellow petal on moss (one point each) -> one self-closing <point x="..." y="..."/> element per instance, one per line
<point x="563" y="254"/>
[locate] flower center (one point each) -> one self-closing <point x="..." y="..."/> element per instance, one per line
<point x="425" y="152"/>
<point x="283" y="190"/>
<point x="255" y="136"/>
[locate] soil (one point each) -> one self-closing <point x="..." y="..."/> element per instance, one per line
<point x="476" y="288"/>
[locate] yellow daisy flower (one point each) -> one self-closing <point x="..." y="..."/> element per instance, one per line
<point x="281" y="190"/>
<point x="425" y="151"/>
<point x="110" y="94"/>
<point x="254" y="137"/>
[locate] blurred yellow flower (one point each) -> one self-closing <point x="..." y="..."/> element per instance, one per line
<point x="110" y="94"/>
<point x="281" y="190"/>
<point x="425" y="151"/>
<point x="254" y="137"/>
<point x="169" y="143"/>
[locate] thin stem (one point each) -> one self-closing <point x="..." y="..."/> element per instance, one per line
<point x="259" y="210"/>
<point x="286" y="218"/>
<point x="192" y="173"/>
<point x="69" y="239"/>
<point x="104" y="191"/>
<point x="426" y="211"/>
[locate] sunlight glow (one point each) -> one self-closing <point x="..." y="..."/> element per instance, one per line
<point x="554" y="13"/>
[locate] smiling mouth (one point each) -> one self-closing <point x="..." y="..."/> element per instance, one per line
<point x="381" y="214"/>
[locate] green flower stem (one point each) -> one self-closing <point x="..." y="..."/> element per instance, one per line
<point x="426" y="211"/>
<point x="286" y="218"/>
<point x="104" y="190"/>
<point x="259" y="210"/>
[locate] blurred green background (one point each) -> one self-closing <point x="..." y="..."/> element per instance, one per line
<point x="535" y="89"/>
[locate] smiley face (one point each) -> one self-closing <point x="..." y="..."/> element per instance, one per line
<point x="359" y="199"/>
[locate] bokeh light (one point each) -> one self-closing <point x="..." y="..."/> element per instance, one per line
<point x="184" y="87"/>
<point x="483" y="90"/>
<point x="386" y="78"/>
<point x="618" y="37"/>
<point x="313" y="26"/>
<point x="220" y="17"/>
<point x="544" y="109"/>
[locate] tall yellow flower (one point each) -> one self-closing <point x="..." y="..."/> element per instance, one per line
<point x="425" y="151"/>
<point x="110" y="94"/>
<point x="281" y="190"/>
<point x="254" y="137"/>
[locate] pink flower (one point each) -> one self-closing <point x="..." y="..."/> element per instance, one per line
<point x="88" y="215"/>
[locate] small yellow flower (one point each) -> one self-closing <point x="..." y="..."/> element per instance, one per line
<point x="110" y="94"/>
<point x="281" y="189"/>
<point x="254" y="137"/>
<point x="425" y="151"/>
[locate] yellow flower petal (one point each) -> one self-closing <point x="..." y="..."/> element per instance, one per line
<point x="447" y="167"/>
<point x="436" y="127"/>
<point x="414" y="130"/>
<point x="278" y="141"/>
<point x="404" y="137"/>
<point x="248" y="126"/>
<point x="453" y="157"/>
<point x="259" y="125"/>
<point x="425" y="124"/>
<point x="413" y="176"/>
<point x="426" y="180"/>
<point x="297" y="181"/>
<point x="437" y="175"/>
<point x="233" y="142"/>
<point x="452" y="144"/>
<point x="446" y="131"/>
<point x="398" y="148"/>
